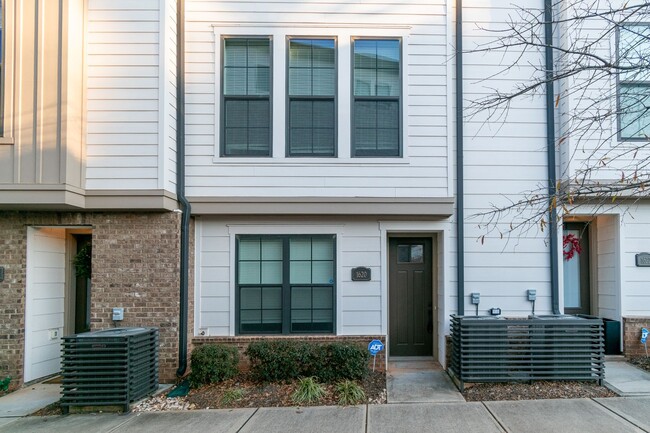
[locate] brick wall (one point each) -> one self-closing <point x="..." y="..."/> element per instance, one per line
<point x="135" y="266"/>
<point x="242" y="343"/>
<point x="632" y="335"/>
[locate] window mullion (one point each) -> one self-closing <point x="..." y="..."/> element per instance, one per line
<point x="286" y="287"/>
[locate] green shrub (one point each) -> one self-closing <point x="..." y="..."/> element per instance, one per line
<point x="285" y="360"/>
<point x="308" y="391"/>
<point x="213" y="363"/>
<point x="342" y="361"/>
<point x="281" y="360"/>
<point x="349" y="393"/>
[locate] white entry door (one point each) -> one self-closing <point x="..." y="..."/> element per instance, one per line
<point x="44" y="301"/>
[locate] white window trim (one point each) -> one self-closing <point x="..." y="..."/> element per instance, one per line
<point x="278" y="34"/>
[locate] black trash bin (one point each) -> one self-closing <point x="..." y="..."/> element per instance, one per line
<point x="611" y="334"/>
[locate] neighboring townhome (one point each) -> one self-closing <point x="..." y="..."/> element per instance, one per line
<point x="317" y="158"/>
<point x="87" y="177"/>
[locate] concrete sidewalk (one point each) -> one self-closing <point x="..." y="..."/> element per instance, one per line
<point x="581" y="415"/>
<point x="437" y="413"/>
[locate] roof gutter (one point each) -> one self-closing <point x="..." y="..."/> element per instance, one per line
<point x="550" y="148"/>
<point x="180" y="187"/>
<point x="460" y="200"/>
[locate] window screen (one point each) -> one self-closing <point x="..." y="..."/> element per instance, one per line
<point x="634" y="84"/>
<point x="311" y="97"/>
<point x="377" y="93"/>
<point x="246" y="120"/>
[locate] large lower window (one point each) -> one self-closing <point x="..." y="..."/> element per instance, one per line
<point x="634" y="82"/>
<point x="246" y="117"/>
<point x="285" y="284"/>
<point x="376" y="101"/>
<point x="312" y="90"/>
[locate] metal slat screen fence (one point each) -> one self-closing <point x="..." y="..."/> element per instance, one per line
<point x="491" y="349"/>
<point x="112" y="367"/>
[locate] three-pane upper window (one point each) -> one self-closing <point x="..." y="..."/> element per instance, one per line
<point x="634" y="82"/>
<point x="311" y="97"/>
<point x="246" y="97"/>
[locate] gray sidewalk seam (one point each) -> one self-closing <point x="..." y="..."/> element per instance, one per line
<point x="619" y="415"/>
<point x="367" y="410"/>
<point x="249" y="418"/>
<point x="129" y="416"/>
<point x="494" y="417"/>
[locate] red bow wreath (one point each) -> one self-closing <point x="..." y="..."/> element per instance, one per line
<point x="571" y="244"/>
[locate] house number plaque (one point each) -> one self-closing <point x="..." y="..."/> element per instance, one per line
<point x="643" y="260"/>
<point x="361" y="273"/>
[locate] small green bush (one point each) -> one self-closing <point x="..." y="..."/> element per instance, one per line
<point x="213" y="363"/>
<point x="349" y="393"/>
<point x="342" y="361"/>
<point x="308" y="391"/>
<point x="232" y="395"/>
<point x="284" y="360"/>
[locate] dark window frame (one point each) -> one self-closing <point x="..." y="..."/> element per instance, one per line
<point x="285" y="285"/>
<point x="399" y="99"/>
<point x="223" y="98"/>
<point x="622" y="83"/>
<point x="334" y="98"/>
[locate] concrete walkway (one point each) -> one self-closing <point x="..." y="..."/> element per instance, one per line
<point x="619" y="415"/>
<point x="419" y="380"/>
<point x="27" y="400"/>
<point x="625" y="379"/>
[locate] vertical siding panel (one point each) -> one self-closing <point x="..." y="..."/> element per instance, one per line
<point x="48" y="120"/>
<point x="25" y="93"/>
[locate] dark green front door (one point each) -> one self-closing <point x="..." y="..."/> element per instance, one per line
<point x="410" y="297"/>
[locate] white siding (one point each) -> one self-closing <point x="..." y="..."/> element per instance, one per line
<point x="635" y="233"/>
<point x="131" y="94"/>
<point x="168" y="94"/>
<point x="593" y="145"/>
<point x="361" y="306"/>
<point x="503" y="160"/>
<point x="422" y="172"/>
<point x="608" y="270"/>
<point x="44" y="304"/>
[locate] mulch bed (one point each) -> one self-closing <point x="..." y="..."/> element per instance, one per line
<point x="535" y="391"/>
<point x="641" y="362"/>
<point x="256" y="394"/>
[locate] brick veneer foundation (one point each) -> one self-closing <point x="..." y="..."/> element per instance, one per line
<point x="632" y="335"/>
<point x="135" y="265"/>
<point x="242" y="343"/>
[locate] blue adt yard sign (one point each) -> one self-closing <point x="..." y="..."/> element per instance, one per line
<point x="374" y="347"/>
